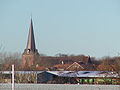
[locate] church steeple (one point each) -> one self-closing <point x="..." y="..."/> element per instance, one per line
<point x="30" y="53"/>
<point x="31" y="41"/>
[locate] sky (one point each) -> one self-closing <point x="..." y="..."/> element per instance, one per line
<point x="89" y="27"/>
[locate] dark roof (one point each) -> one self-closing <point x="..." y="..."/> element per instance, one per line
<point x="31" y="40"/>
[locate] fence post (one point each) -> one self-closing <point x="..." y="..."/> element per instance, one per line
<point x="13" y="77"/>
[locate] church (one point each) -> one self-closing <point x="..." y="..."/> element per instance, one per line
<point x="32" y="58"/>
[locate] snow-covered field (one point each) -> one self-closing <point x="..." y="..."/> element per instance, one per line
<point x="59" y="87"/>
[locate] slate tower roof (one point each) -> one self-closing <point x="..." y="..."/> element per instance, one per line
<point x="31" y="41"/>
<point x="31" y="48"/>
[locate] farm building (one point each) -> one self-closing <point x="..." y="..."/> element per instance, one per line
<point x="62" y="77"/>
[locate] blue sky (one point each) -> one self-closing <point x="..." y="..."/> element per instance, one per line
<point x="89" y="27"/>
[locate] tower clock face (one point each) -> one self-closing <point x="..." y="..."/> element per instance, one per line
<point x="28" y="51"/>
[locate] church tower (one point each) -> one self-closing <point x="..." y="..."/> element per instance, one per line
<point x="30" y="54"/>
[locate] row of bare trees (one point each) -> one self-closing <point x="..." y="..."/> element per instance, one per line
<point x="102" y="64"/>
<point x="7" y="59"/>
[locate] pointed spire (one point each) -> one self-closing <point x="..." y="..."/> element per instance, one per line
<point x="31" y="41"/>
<point x="89" y="60"/>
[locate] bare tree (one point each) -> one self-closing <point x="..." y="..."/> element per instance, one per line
<point x="9" y="59"/>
